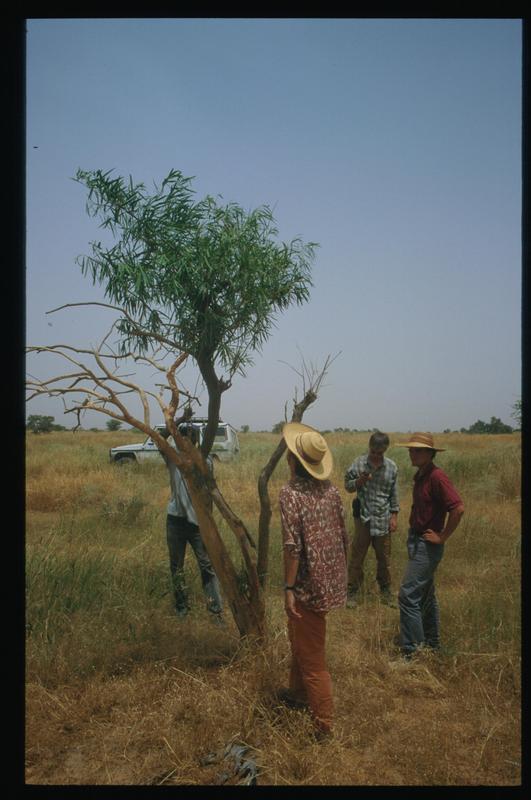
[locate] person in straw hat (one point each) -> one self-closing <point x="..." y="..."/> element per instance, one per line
<point x="315" y="569"/>
<point x="435" y="514"/>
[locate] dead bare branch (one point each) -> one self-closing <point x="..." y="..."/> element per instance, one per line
<point x="103" y="394"/>
<point x="312" y="379"/>
<point x="138" y="329"/>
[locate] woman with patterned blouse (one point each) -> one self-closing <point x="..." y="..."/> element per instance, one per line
<point x="315" y="568"/>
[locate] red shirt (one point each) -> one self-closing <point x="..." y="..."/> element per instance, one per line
<point x="313" y="529"/>
<point x="433" y="496"/>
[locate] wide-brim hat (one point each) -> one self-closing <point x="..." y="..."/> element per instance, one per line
<point x="422" y="440"/>
<point x="310" y="448"/>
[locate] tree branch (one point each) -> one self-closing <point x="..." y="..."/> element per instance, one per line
<point x="314" y="378"/>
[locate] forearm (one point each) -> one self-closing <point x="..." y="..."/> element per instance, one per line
<point x="452" y="521"/>
<point x="394" y="504"/>
<point x="291" y="567"/>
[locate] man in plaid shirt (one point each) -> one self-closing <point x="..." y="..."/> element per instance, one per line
<point x="375" y="510"/>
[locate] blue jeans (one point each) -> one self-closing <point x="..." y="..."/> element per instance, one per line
<point x="419" y="609"/>
<point x="180" y="532"/>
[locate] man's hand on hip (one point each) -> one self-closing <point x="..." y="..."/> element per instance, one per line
<point x="432" y="536"/>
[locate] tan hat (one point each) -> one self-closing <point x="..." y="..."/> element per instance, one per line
<point x="310" y="448"/>
<point x="422" y="440"/>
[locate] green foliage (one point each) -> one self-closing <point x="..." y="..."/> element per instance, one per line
<point x="516" y="413"/>
<point x="494" y="426"/>
<point x="244" y="429"/>
<point x="113" y="425"/>
<point x="277" y="427"/>
<point x="40" y="424"/>
<point x="208" y="277"/>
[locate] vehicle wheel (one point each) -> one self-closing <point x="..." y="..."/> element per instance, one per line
<point x="125" y="461"/>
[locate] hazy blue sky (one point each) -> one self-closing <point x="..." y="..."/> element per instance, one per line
<point x="394" y="144"/>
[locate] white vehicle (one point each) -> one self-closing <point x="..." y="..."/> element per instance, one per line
<point x="226" y="445"/>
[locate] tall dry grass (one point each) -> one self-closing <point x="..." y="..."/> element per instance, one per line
<point x="121" y="692"/>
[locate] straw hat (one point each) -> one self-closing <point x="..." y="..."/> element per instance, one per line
<point x="310" y="448"/>
<point x="422" y="440"/>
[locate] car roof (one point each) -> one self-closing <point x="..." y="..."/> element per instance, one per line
<point x="195" y="421"/>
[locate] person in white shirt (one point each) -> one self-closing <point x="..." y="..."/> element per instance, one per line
<point x="182" y="529"/>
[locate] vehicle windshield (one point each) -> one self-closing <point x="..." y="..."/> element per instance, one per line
<point x="221" y="434"/>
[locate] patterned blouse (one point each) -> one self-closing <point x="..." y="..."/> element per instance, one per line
<point x="313" y="529"/>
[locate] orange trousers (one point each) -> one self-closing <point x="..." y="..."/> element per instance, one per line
<point x="309" y="678"/>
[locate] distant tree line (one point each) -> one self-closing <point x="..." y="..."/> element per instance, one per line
<point x="277" y="428"/>
<point x="494" y="426"/>
<point x="40" y="423"/>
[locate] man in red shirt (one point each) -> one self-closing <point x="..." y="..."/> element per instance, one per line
<point x="435" y="514"/>
<point x="315" y="568"/>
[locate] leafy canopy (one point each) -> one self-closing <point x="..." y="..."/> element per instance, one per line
<point x="516" y="413"/>
<point x="113" y="425"/>
<point x="39" y="423"/>
<point x="494" y="426"/>
<point x="209" y="277"/>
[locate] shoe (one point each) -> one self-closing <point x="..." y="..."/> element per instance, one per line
<point x="290" y="699"/>
<point x="181" y="612"/>
<point x="217" y="619"/>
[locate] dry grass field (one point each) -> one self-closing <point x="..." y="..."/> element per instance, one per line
<point x="121" y="692"/>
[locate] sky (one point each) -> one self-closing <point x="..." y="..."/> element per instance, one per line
<point x="395" y="144"/>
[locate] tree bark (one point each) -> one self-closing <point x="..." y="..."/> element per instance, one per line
<point x="263" y="492"/>
<point x="242" y="591"/>
<point x="214" y="390"/>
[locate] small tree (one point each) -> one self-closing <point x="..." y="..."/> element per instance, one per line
<point x="38" y="423"/>
<point x="195" y="279"/>
<point x="516" y="413"/>
<point x="244" y="429"/>
<point x="113" y="425"/>
<point x="200" y="277"/>
<point x="494" y="426"/>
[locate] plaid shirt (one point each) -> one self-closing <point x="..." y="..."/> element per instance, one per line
<point x="313" y="530"/>
<point x="379" y="497"/>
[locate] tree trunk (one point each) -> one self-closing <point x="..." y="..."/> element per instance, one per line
<point x="214" y="390"/>
<point x="242" y="591"/>
<point x="244" y="599"/>
<point x="263" y="493"/>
